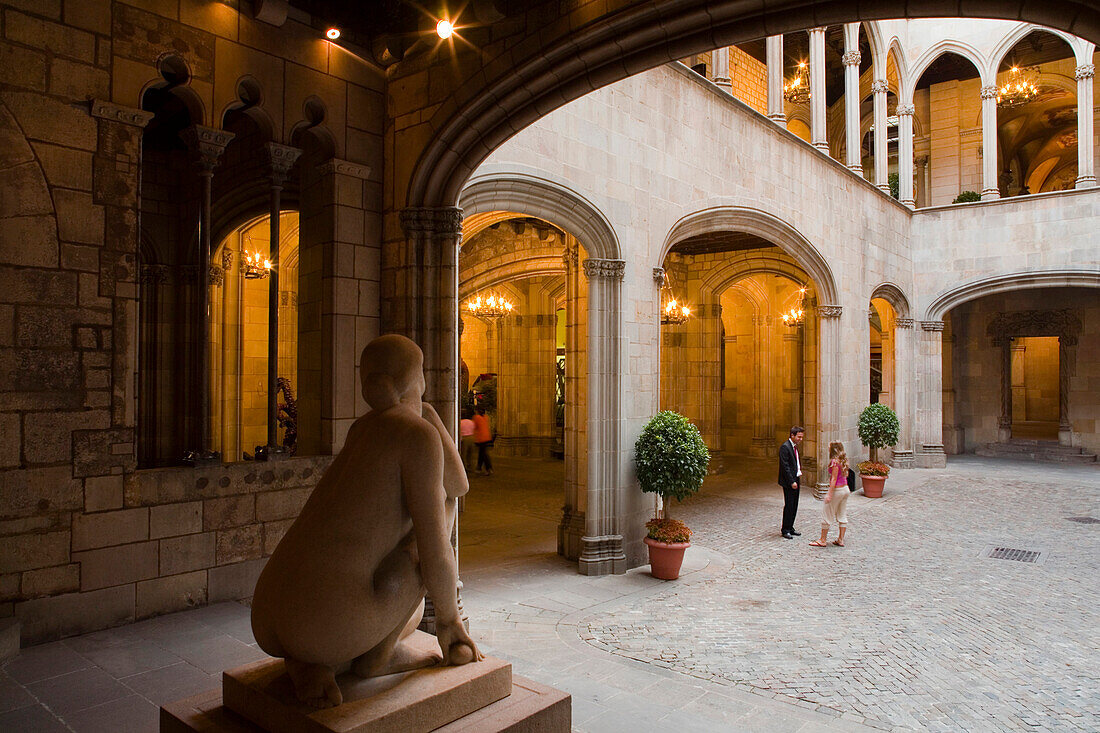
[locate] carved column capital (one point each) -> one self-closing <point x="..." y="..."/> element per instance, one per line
<point x="608" y="269"/>
<point x="829" y="311"/>
<point x="117" y="113"/>
<point x="429" y="220"/>
<point x="904" y="323"/>
<point x="216" y="275"/>
<point x="570" y="258"/>
<point x="1084" y="71"/>
<point x="659" y="275"/>
<point x="280" y="159"/>
<point x="989" y="92"/>
<point x="880" y="86"/>
<point x="931" y="325"/>
<point x="227" y="259"/>
<point x="344" y="167"/>
<point x="906" y="110"/>
<point x="207" y="145"/>
<point x="851" y="58"/>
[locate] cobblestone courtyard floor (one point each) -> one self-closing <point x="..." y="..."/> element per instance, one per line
<point x="909" y="627"/>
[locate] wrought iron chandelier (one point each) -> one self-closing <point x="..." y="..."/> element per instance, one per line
<point x="256" y="266"/>
<point x="797" y="90"/>
<point x="1022" y="87"/>
<point x="490" y="306"/>
<point x="673" y="312"/>
<point x="793" y="317"/>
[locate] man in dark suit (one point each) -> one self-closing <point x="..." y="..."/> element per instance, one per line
<point x="790" y="476"/>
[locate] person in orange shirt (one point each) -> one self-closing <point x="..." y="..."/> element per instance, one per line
<point x="466" y="434"/>
<point x="483" y="439"/>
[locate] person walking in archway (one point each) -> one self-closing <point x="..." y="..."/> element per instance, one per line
<point x="836" y="500"/>
<point x="790" y="476"/>
<point x="483" y="439"/>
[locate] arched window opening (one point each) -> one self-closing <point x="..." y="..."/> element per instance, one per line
<point x="947" y="131"/>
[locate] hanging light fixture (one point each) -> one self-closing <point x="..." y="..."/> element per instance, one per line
<point x="793" y="317"/>
<point x="256" y="266"/>
<point x="1022" y="87"/>
<point x="673" y="312"/>
<point x="797" y="90"/>
<point x="489" y="306"/>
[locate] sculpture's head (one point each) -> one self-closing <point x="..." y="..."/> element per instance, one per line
<point x="391" y="370"/>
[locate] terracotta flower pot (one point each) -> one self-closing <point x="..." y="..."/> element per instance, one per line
<point x="665" y="559"/>
<point x="872" y="485"/>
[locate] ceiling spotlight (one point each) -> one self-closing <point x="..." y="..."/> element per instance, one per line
<point x="332" y="34"/>
<point x="444" y="29"/>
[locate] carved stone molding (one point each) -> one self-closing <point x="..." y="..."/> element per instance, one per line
<point x="117" y="113"/>
<point x="989" y="92"/>
<point x="829" y="311"/>
<point x="227" y="259"/>
<point x="904" y="323"/>
<point x="659" y="275"/>
<point x="880" y="86"/>
<point x="851" y="58"/>
<point x="207" y="145"/>
<point x="280" y="159"/>
<point x="1084" y="71"/>
<point x="931" y="325"/>
<point x="427" y="220"/>
<point x="610" y="269"/>
<point x="1062" y="323"/>
<point x="344" y="167"/>
<point x="155" y="274"/>
<point x="217" y="275"/>
<point x="906" y="109"/>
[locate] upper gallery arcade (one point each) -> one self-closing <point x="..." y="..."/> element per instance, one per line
<point x="209" y="208"/>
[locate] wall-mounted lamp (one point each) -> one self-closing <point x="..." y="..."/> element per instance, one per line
<point x="332" y="34"/>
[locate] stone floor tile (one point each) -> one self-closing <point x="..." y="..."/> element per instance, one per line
<point x="168" y="684"/>
<point x="45" y="660"/>
<point x="131" y="713"/>
<point x="12" y="694"/>
<point x="32" y="719"/>
<point x="84" y="688"/>
<point x="124" y="660"/>
<point x="214" y="654"/>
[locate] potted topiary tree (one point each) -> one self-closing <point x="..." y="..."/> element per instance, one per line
<point x="671" y="461"/>
<point x="878" y="428"/>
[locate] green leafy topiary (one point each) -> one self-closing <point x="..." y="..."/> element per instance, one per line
<point x="895" y="184"/>
<point x="878" y="427"/>
<point x="966" y="197"/>
<point x="670" y="457"/>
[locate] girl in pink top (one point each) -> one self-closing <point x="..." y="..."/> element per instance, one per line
<point x="836" y="501"/>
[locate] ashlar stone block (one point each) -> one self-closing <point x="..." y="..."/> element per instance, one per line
<point x="117" y="565"/>
<point x="105" y="529"/>
<point x="174" y="593"/>
<point x="170" y="520"/>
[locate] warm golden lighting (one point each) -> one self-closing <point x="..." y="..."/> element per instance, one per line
<point x="1021" y="88"/>
<point x="673" y="312"/>
<point x="489" y="306"/>
<point x="444" y="29"/>
<point x="797" y="90"/>
<point x="332" y="34"/>
<point x="256" y="266"/>
<point x="793" y="317"/>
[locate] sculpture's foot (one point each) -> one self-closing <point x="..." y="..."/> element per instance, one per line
<point x="403" y="658"/>
<point x="315" y="684"/>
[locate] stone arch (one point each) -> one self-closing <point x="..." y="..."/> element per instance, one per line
<point x="28" y="222"/>
<point x="1007" y="282"/>
<point x="494" y="277"/>
<point x="764" y="225"/>
<point x="893" y="295"/>
<point x="478" y="118"/>
<point x="926" y="59"/>
<point x="544" y="199"/>
<point x="1020" y="32"/>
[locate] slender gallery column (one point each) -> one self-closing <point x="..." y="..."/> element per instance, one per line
<point x="903" y="391"/>
<point x="207" y="145"/>
<point x="830" y="350"/>
<point x="905" y="154"/>
<point x="602" y="546"/>
<point x="429" y="285"/>
<point x="817" y="90"/>
<point x="763" y="426"/>
<point x="280" y="159"/>
<point x="989" y="144"/>
<point x="851" y="97"/>
<point x="930" y="414"/>
<point x="721" y="61"/>
<point x="879" y="88"/>
<point x="572" y="529"/>
<point x="1086" y="171"/>
<point x="1065" y="359"/>
<point x="775" y="81"/>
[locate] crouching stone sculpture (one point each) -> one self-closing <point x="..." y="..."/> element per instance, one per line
<point x="345" y="586"/>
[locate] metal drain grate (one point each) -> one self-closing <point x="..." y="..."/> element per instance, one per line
<point x="1084" y="520"/>
<point x="1011" y="553"/>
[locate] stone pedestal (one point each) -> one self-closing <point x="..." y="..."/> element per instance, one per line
<point x="476" y="697"/>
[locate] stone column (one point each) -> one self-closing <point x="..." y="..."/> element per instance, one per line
<point x="818" y="136"/>
<point x="763" y="427"/>
<point x="930" y="452"/>
<point x="851" y="97"/>
<point x="776" y="112"/>
<point x="429" y="284"/>
<point x="989" y="144"/>
<point x="602" y="546"/>
<point x="1086" y="171"/>
<point x="830" y="366"/>
<point x="572" y="527"/>
<point x="1065" y="427"/>
<point x="922" y="180"/>
<point x="721" y="61"/>
<point x="207" y="145"/>
<point x="903" y="392"/>
<point x="905" y="154"/>
<point x="1004" y="421"/>
<point x="280" y="159"/>
<point x="879" y="88"/>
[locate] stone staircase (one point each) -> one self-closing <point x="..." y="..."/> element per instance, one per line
<point x="1037" y="450"/>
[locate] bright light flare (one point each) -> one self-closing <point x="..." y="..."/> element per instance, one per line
<point x="332" y="34"/>
<point x="444" y="29"/>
